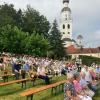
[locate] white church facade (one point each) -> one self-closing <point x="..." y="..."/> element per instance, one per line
<point x="66" y="32"/>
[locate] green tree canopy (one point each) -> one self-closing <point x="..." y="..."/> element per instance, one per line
<point x="27" y="32"/>
<point x="12" y="39"/>
<point x="33" y="21"/>
<point x="37" y="45"/>
<point x="7" y="14"/>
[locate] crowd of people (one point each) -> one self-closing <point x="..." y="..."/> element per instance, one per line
<point x="82" y="85"/>
<point x="81" y="81"/>
<point x="24" y="65"/>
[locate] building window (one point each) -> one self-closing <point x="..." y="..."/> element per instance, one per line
<point x="65" y="18"/>
<point x="68" y="32"/>
<point x="63" y="32"/>
<point x="68" y="26"/>
<point x="63" y="26"/>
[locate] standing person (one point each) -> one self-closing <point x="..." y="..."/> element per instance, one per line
<point x="1" y="64"/>
<point x="25" y="69"/>
<point x="13" y="63"/>
<point x="17" y="69"/>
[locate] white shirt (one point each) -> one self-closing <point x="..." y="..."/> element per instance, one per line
<point x="88" y="76"/>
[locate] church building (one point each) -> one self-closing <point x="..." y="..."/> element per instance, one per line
<point x="66" y="32"/>
<point x="66" y="24"/>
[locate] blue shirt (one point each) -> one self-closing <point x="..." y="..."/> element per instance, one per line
<point x="17" y="67"/>
<point x="83" y="82"/>
<point x="97" y="70"/>
<point x="26" y="67"/>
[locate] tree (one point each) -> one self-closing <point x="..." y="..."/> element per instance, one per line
<point x="19" y="18"/>
<point x="56" y="42"/>
<point x="12" y="39"/>
<point x="37" y="45"/>
<point x="7" y="14"/>
<point x="29" y="20"/>
<point x="33" y="21"/>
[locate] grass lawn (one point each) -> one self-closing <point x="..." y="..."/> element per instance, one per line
<point x="11" y="92"/>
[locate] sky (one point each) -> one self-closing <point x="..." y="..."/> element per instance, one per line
<point x="85" y="15"/>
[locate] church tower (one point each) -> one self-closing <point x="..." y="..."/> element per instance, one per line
<point x="66" y="24"/>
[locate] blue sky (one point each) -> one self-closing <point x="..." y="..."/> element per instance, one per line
<point x="85" y="14"/>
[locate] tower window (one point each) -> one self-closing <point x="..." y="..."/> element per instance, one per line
<point x="68" y="32"/>
<point x="65" y="18"/>
<point x="68" y="26"/>
<point x="63" y="26"/>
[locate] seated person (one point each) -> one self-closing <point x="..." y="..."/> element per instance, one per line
<point x="33" y="74"/>
<point x="88" y="78"/>
<point x="69" y="89"/>
<point x="84" y="85"/>
<point x="92" y="84"/>
<point x="82" y="95"/>
<point x="41" y="72"/>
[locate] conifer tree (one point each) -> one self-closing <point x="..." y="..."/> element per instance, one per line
<point x="56" y="42"/>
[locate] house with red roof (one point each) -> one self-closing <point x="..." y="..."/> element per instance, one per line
<point x="75" y="52"/>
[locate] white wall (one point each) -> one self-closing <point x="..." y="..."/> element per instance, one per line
<point x="88" y="54"/>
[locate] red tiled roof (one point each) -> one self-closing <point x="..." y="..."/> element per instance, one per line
<point x="72" y="50"/>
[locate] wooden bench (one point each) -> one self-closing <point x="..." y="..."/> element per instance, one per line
<point x="23" y="81"/>
<point x="7" y="71"/>
<point x="5" y="76"/>
<point x="29" y="94"/>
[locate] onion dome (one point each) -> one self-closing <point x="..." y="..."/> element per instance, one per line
<point x="65" y="1"/>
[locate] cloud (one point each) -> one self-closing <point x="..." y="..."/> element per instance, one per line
<point x="85" y="14"/>
<point x="94" y="39"/>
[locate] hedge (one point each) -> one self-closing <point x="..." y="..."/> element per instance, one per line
<point x="88" y="60"/>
